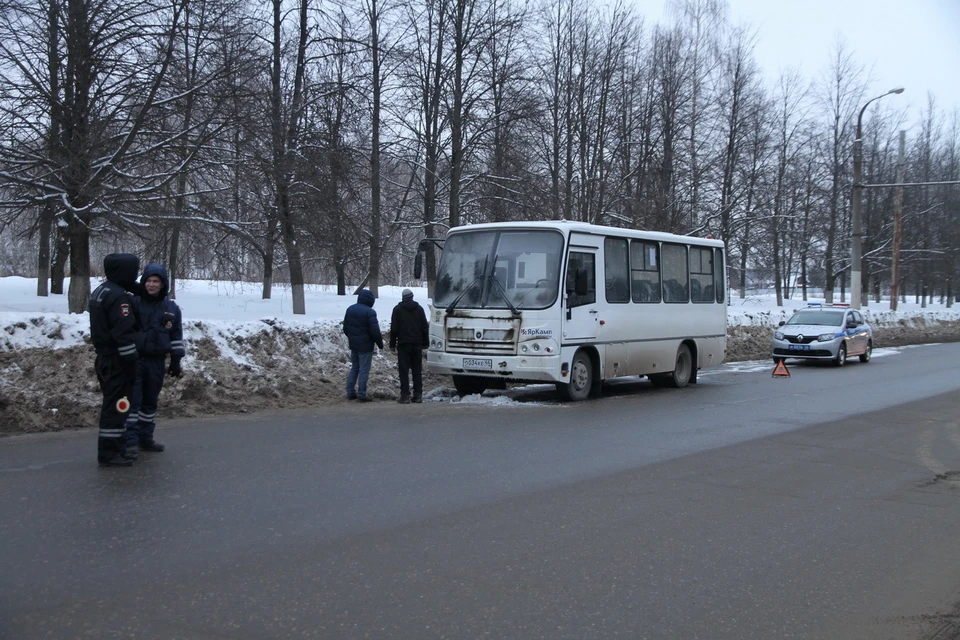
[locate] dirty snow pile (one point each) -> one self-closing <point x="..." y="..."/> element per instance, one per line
<point x="246" y="354"/>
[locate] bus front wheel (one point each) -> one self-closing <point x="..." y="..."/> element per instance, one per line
<point x="581" y="379"/>
<point x="469" y="385"/>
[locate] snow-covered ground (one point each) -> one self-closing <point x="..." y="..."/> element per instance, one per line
<point x="248" y="354"/>
<point x="225" y="310"/>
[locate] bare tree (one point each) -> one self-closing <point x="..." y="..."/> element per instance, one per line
<point x="840" y="93"/>
<point x="285" y="118"/>
<point x="115" y="57"/>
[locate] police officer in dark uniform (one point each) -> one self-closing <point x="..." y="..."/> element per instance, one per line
<point x="116" y="336"/>
<point x="162" y="334"/>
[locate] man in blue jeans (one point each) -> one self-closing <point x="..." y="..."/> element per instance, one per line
<point x="362" y="329"/>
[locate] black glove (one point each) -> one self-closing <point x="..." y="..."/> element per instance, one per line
<point x="174" y="369"/>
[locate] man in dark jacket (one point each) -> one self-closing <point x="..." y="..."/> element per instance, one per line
<point x="409" y="335"/>
<point x="116" y="337"/>
<point x="162" y="335"/>
<point x="362" y="329"/>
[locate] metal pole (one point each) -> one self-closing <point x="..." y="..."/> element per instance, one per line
<point x="856" y="246"/>
<point x="856" y="225"/>
<point x="897" y="225"/>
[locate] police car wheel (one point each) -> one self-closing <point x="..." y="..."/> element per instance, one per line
<point x="841" y="358"/>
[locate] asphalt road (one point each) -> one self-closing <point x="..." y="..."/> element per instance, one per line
<point x="825" y="505"/>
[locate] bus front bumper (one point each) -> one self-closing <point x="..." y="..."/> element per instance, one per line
<point x="525" y="368"/>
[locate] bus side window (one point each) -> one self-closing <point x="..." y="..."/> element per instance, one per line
<point x="619" y="292"/>
<point x="641" y="291"/>
<point x="676" y="279"/>
<point x="645" y="271"/>
<point x="581" y="280"/>
<point x="673" y="291"/>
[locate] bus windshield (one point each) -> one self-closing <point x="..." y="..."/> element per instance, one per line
<point x="499" y="270"/>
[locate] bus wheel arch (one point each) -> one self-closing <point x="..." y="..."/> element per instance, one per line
<point x="584" y="376"/>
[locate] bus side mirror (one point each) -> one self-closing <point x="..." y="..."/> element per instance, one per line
<point x="581" y="283"/>
<point x="418" y="264"/>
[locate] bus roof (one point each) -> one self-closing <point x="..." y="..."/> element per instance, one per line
<point x="566" y="227"/>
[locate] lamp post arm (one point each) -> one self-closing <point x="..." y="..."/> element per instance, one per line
<point x="867" y="104"/>
<point x="860" y="117"/>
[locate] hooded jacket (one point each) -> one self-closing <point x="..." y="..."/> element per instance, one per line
<point x="408" y="325"/>
<point x="114" y="321"/>
<point x="360" y="324"/>
<point x="161" y="317"/>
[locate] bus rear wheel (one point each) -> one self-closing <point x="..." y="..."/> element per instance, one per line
<point x="581" y="379"/>
<point x="469" y="385"/>
<point x="682" y="370"/>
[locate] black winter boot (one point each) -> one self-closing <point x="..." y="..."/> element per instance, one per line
<point x="117" y="461"/>
<point x="153" y="445"/>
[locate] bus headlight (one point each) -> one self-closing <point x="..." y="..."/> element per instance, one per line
<point x="436" y="344"/>
<point x="538" y="347"/>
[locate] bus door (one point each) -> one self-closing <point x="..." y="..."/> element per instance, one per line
<point x="580" y="310"/>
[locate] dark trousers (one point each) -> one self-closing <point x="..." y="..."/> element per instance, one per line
<point x="146" y="392"/>
<point x="115" y="385"/>
<point x="409" y="359"/>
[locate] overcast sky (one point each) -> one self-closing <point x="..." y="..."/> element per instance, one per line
<point x="909" y="43"/>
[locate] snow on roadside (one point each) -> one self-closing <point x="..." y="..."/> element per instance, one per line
<point x="234" y="318"/>
<point x="43" y="331"/>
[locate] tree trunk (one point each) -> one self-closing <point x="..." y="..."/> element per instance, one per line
<point x="43" y="250"/>
<point x="58" y="266"/>
<point x="269" y="251"/>
<point x="173" y="266"/>
<point x="375" y="154"/>
<point x="78" y="295"/>
<point x="295" y="267"/>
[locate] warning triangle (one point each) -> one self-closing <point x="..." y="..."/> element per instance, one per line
<point x="780" y="371"/>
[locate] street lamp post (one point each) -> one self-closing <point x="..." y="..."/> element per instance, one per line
<point x="856" y="244"/>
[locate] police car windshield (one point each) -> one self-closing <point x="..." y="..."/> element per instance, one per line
<point x="817" y="316"/>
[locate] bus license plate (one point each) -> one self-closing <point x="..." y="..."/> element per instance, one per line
<point x="800" y="347"/>
<point x="478" y="363"/>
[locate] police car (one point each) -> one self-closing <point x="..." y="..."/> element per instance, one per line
<point x="824" y="332"/>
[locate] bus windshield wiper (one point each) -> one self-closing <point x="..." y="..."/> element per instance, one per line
<point x="478" y="279"/>
<point x="503" y="292"/>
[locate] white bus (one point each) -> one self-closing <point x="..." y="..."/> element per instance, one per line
<point x="575" y="304"/>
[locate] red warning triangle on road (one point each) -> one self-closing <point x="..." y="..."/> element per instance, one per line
<point x="780" y="371"/>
